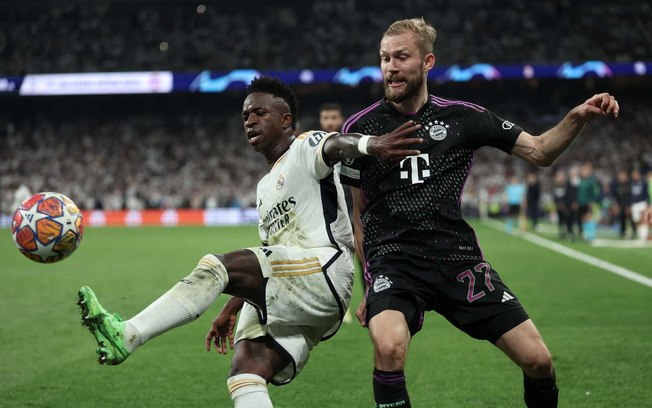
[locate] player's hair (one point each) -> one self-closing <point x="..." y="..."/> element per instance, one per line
<point x="278" y="89"/>
<point x="425" y="33"/>
<point x="330" y="106"/>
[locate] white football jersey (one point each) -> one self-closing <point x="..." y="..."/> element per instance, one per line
<point x="301" y="201"/>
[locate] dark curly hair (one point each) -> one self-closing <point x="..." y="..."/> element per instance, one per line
<point x="279" y="89"/>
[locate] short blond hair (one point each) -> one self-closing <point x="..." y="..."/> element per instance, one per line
<point x="425" y="33"/>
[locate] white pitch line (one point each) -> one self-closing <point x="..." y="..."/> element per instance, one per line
<point x="580" y="256"/>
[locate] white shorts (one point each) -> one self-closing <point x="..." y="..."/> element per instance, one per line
<point x="306" y="295"/>
<point x="637" y="211"/>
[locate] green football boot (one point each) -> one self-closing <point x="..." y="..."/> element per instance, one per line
<point x="107" y="328"/>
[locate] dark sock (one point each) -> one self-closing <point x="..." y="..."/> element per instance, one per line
<point x="390" y="390"/>
<point x="541" y="392"/>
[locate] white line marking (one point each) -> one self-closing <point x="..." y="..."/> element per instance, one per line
<point x="619" y="243"/>
<point x="599" y="263"/>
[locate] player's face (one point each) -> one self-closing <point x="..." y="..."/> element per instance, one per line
<point x="403" y="67"/>
<point x="265" y="119"/>
<point x="331" y="120"/>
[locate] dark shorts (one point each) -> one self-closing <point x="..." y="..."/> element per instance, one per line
<point x="469" y="294"/>
<point x="514" y="210"/>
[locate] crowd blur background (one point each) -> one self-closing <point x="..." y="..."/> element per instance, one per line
<point x="189" y="150"/>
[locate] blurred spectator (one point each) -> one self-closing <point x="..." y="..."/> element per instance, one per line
<point x="640" y="200"/>
<point x="331" y="117"/>
<point x="515" y="196"/>
<point x="559" y="187"/>
<point x="21" y="193"/>
<point x="574" y="218"/>
<point x="588" y="199"/>
<point x="533" y="198"/>
<point x="621" y="191"/>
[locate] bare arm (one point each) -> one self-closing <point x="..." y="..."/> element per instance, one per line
<point x="358" y="206"/>
<point x="359" y="203"/>
<point x="544" y="149"/>
<point x="389" y="148"/>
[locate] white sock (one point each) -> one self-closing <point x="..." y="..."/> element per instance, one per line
<point x="249" y="391"/>
<point x="185" y="302"/>
<point x="643" y="231"/>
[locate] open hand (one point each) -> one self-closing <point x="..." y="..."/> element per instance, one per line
<point x="393" y="147"/>
<point x="221" y="330"/>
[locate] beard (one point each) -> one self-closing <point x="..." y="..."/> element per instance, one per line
<point x="412" y="88"/>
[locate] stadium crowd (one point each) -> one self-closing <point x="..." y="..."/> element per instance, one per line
<point x="134" y="158"/>
<point x="203" y="161"/>
<point x="189" y="37"/>
<point x="135" y="164"/>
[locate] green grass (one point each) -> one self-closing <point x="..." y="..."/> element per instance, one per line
<point x="597" y="325"/>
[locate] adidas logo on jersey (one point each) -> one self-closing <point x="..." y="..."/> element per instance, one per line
<point x="506" y="297"/>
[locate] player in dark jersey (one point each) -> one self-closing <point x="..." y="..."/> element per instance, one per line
<point x="420" y="253"/>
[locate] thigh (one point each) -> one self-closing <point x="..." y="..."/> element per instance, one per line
<point x="400" y="283"/>
<point x="523" y="344"/>
<point x="306" y="292"/>
<point x="291" y="343"/>
<point x="409" y="319"/>
<point x="474" y="298"/>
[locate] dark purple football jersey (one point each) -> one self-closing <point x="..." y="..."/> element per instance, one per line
<point x="414" y="206"/>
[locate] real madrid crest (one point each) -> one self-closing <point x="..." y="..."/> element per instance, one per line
<point x="280" y="181"/>
<point x="438" y="131"/>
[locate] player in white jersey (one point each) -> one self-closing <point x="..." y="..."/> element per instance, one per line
<point x="292" y="291"/>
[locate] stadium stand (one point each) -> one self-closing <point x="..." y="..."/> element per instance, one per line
<point x="172" y="154"/>
<point x="188" y="150"/>
<point x="75" y="36"/>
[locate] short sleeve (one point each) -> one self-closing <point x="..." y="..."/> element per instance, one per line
<point x="351" y="169"/>
<point x="488" y="129"/>
<point x="311" y="156"/>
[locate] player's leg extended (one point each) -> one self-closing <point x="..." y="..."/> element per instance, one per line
<point x="254" y="364"/>
<point x="524" y="345"/>
<point x="390" y="335"/>
<point x="183" y="303"/>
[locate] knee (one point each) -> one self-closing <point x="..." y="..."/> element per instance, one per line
<point x="210" y="263"/>
<point x="390" y="352"/>
<point x="538" y="363"/>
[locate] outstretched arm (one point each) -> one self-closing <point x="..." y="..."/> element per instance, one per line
<point x="391" y="147"/>
<point x="544" y="149"/>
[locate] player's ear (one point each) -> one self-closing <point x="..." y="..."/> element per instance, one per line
<point x="286" y="120"/>
<point x="429" y="61"/>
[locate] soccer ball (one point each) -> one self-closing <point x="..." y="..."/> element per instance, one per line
<point x="47" y="227"/>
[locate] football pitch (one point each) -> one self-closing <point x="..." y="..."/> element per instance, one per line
<point x="598" y="326"/>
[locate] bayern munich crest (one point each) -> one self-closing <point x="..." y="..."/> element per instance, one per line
<point x="437" y="131"/>
<point x="381" y="283"/>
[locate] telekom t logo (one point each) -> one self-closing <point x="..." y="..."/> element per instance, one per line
<point x="415" y="168"/>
